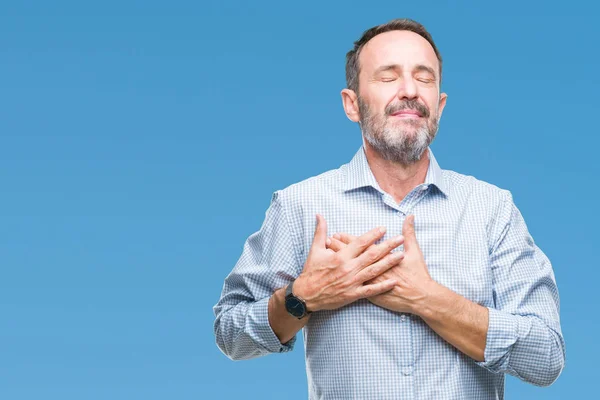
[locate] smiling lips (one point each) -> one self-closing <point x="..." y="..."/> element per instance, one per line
<point x="407" y="114"/>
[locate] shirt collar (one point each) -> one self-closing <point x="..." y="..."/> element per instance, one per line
<point x="359" y="174"/>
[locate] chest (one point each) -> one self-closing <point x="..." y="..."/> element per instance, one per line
<point x="452" y="237"/>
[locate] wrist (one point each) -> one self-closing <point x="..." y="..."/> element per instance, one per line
<point x="294" y="304"/>
<point x="301" y="291"/>
<point x="433" y="295"/>
<point x="282" y="323"/>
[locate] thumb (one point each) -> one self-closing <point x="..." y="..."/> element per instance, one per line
<point x="320" y="239"/>
<point x="408" y="231"/>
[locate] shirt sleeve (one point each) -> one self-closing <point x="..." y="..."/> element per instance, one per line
<point x="268" y="262"/>
<point x="524" y="337"/>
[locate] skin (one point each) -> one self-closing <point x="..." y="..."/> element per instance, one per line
<point x="458" y="320"/>
<point x="397" y="67"/>
<point x="331" y="279"/>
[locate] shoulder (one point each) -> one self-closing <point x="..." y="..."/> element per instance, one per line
<point x="469" y="187"/>
<point x="478" y="197"/>
<point x="328" y="183"/>
<point x="485" y="202"/>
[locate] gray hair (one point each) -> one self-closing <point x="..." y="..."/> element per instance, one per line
<point x="400" y="24"/>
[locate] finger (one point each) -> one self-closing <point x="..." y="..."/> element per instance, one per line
<point x="335" y="244"/>
<point x="344" y="237"/>
<point x="320" y="238"/>
<point x="378" y="268"/>
<point x="361" y="243"/>
<point x="375" y="289"/>
<point x="377" y="251"/>
<point x="408" y="231"/>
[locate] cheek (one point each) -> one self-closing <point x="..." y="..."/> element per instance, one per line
<point x="389" y="94"/>
<point x="432" y="100"/>
<point x="382" y="95"/>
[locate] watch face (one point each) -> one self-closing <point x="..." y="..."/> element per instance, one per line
<point x="295" y="307"/>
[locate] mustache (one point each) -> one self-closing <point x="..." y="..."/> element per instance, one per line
<point x="408" y="105"/>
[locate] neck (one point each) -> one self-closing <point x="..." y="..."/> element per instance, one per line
<point x="394" y="178"/>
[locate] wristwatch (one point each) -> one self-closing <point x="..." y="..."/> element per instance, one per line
<point x="294" y="305"/>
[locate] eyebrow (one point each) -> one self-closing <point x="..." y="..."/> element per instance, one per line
<point x="384" y="68"/>
<point x="417" y="68"/>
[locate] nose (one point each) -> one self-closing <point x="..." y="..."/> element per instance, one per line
<point x="407" y="89"/>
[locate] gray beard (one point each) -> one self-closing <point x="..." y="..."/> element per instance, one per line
<point x="394" y="143"/>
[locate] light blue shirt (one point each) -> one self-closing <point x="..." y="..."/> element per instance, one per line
<point x="474" y="241"/>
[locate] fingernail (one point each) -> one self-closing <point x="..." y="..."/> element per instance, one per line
<point x="337" y="236"/>
<point x="382" y="229"/>
<point x="398" y="238"/>
<point x="328" y="241"/>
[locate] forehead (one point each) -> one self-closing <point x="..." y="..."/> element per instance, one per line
<point x="404" y="48"/>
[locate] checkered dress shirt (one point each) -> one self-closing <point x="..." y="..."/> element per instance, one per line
<point x="474" y="241"/>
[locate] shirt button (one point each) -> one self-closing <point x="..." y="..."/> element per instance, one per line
<point x="407" y="370"/>
<point x="403" y="318"/>
<point x="424" y="188"/>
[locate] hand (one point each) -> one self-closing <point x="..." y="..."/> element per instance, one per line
<point x="412" y="275"/>
<point x="332" y="279"/>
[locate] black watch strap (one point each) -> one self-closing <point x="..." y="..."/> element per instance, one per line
<point x="289" y="289"/>
<point x="293" y="303"/>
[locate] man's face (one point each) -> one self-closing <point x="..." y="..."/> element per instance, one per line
<point x="399" y="100"/>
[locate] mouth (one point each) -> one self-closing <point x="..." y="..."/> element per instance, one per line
<point x="407" y="114"/>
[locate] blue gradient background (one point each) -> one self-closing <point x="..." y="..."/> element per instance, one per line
<point x="141" y="142"/>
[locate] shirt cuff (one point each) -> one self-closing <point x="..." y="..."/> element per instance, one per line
<point x="259" y="329"/>
<point x="503" y="332"/>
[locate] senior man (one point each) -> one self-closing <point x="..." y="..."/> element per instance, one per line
<point x="431" y="286"/>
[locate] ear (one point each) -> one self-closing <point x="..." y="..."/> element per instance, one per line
<point x="443" y="97"/>
<point x="350" y="103"/>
